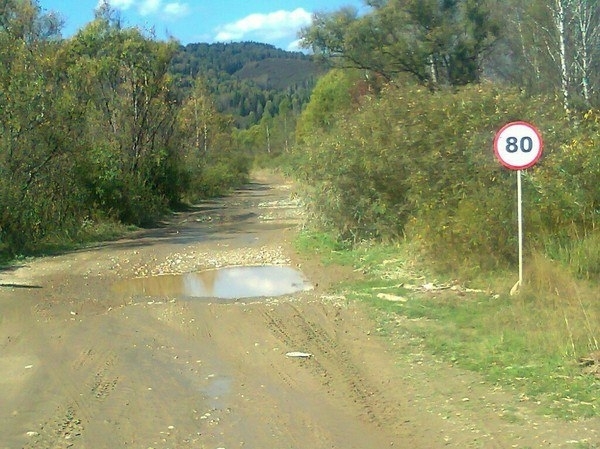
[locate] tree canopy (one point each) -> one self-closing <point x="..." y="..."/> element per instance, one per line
<point x="436" y="42"/>
<point x="537" y="45"/>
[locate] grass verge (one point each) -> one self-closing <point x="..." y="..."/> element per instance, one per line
<point x="90" y="234"/>
<point x="531" y="343"/>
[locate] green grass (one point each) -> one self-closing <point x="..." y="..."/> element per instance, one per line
<point x="529" y="343"/>
<point x="90" y="234"/>
<point x="325" y="246"/>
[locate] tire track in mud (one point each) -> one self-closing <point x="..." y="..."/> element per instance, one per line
<point x="59" y="432"/>
<point x="78" y="399"/>
<point x="332" y="362"/>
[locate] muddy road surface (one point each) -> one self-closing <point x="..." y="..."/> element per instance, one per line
<point x="112" y="347"/>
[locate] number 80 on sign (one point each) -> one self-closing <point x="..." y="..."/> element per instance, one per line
<point x="518" y="145"/>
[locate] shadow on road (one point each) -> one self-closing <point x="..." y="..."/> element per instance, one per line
<point x="9" y="285"/>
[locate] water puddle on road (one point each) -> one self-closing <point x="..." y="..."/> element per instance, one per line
<point x="217" y="387"/>
<point x="223" y="283"/>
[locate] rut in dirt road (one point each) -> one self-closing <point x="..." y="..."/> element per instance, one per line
<point x="332" y="362"/>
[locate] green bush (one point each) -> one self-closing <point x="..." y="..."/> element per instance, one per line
<point x="420" y="165"/>
<point x="217" y="177"/>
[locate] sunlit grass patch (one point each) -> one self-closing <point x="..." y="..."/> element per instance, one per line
<point x="529" y="343"/>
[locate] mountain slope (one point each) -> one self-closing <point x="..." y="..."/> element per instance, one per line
<point x="248" y="79"/>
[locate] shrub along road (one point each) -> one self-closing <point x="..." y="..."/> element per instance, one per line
<point x="86" y="362"/>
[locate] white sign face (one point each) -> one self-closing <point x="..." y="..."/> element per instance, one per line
<point x="518" y="145"/>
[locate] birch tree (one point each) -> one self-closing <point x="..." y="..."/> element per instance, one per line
<point x="567" y="34"/>
<point x="577" y="36"/>
<point x="587" y="42"/>
<point x="199" y="121"/>
<point x="561" y="19"/>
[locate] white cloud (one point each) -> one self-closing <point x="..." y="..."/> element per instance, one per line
<point x="171" y="10"/>
<point x="176" y="10"/>
<point x="275" y="25"/>
<point x="117" y="4"/>
<point x="295" y="46"/>
<point x="148" y="7"/>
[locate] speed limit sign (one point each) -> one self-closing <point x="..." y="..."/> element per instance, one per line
<point x="518" y="145"/>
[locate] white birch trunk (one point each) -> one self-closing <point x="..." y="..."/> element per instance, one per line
<point x="560" y="21"/>
<point x="587" y="19"/>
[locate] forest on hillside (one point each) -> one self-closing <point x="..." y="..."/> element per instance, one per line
<point x="247" y="80"/>
<point x="390" y="133"/>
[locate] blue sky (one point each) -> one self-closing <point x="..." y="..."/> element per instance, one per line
<point x="189" y="21"/>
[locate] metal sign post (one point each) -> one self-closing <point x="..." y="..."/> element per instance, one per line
<point x="518" y="146"/>
<point x="520" y="225"/>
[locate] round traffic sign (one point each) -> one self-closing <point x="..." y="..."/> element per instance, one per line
<point x="518" y="145"/>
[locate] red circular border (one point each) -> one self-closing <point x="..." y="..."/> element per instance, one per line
<point x="530" y="164"/>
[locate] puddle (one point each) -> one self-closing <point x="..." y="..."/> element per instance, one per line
<point x="216" y="388"/>
<point x="222" y="283"/>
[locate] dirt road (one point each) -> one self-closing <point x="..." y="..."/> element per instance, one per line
<point x="89" y="360"/>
